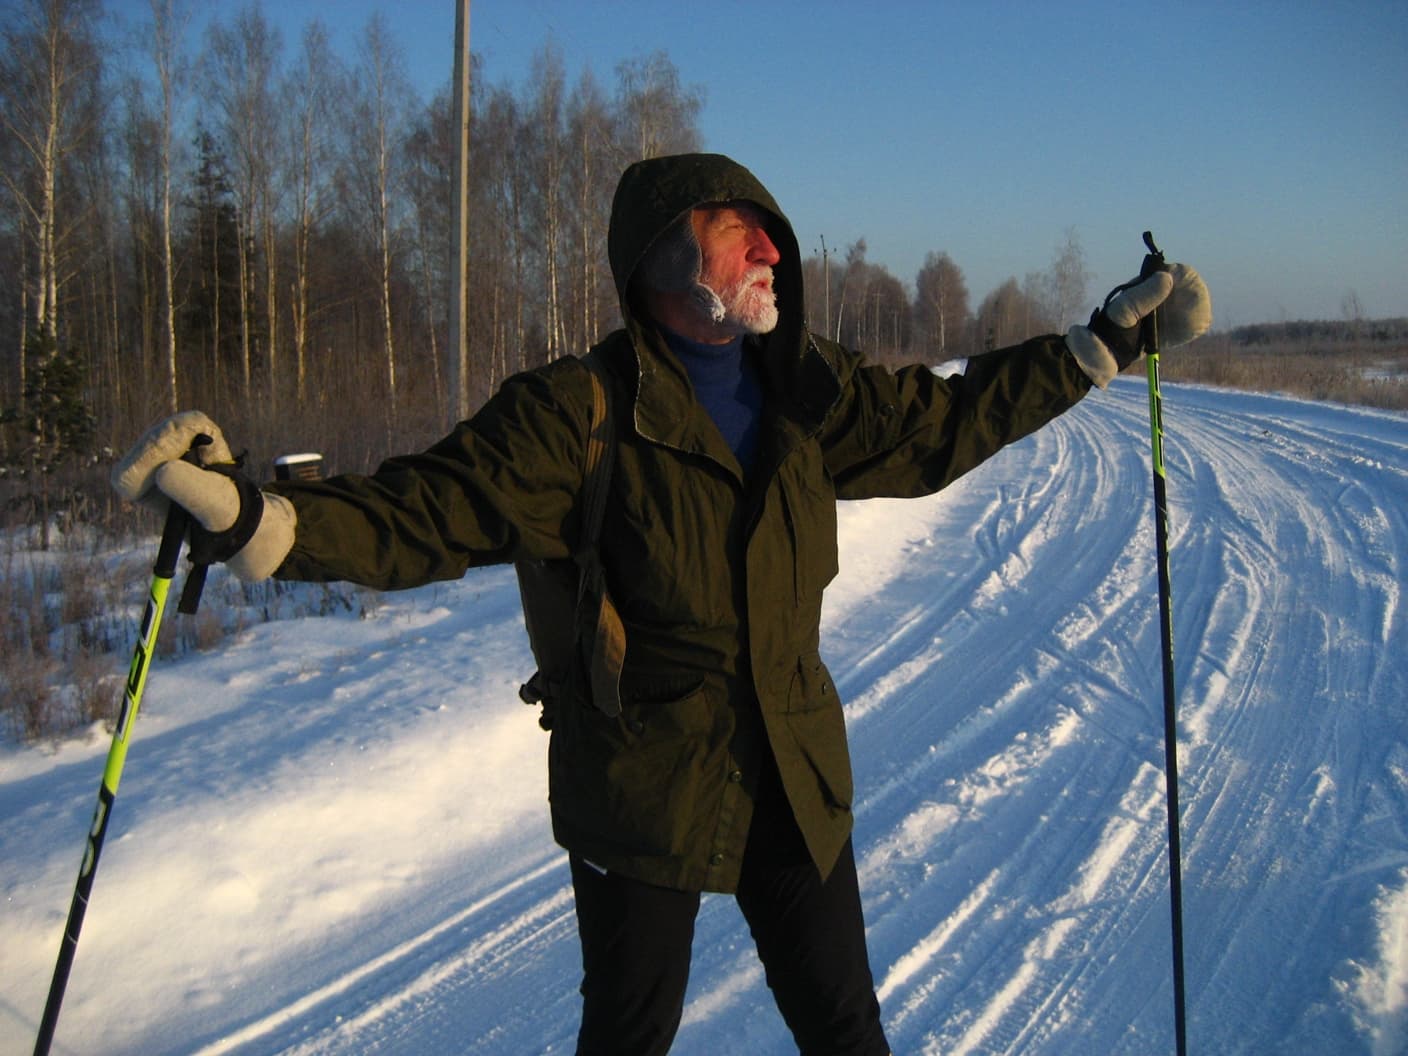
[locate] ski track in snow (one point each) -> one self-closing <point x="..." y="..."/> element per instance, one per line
<point x="332" y="836"/>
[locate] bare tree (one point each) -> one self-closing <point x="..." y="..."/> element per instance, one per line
<point x="887" y="317"/>
<point x="498" y="240"/>
<point x="379" y="99"/>
<point x="941" y="304"/>
<point x="657" y="115"/>
<point x="462" y="118"/>
<point x="852" y="281"/>
<point x="595" y="166"/>
<point x="429" y="150"/>
<point x="549" y="151"/>
<point x="1005" y="317"/>
<point x="49" y="95"/>
<point x="168" y="26"/>
<point x="245" y="56"/>
<point x="1038" y="314"/>
<point x="138" y="148"/>
<point x="307" y="93"/>
<point x="105" y="273"/>
<point x="1067" y="282"/>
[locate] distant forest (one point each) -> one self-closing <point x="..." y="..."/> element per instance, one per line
<point x="261" y="227"/>
<point x="1326" y="334"/>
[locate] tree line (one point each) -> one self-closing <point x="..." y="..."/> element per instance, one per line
<point x="262" y="228"/>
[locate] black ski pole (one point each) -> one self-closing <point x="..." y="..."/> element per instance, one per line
<point x="173" y="534"/>
<point x="1154" y="262"/>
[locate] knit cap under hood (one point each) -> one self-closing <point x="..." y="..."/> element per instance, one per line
<point x="654" y="193"/>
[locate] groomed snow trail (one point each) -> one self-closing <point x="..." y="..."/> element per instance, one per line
<point x="332" y="836"/>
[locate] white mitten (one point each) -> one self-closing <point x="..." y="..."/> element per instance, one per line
<point x="251" y="531"/>
<point x="1115" y="337"/>
<point x="167" y="441"/>
<point x="1187" y="314"/>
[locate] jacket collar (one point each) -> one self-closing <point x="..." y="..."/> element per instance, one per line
<point x="801" y="389"/>
<point x="801" y="383"/>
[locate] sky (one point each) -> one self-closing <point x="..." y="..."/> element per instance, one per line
<point x="1266" y="144"/>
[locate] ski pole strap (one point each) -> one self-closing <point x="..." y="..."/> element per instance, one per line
<point x="1153" y="261"/>
<point x="207" y="547"/>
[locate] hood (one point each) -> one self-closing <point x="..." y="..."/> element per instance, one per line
<point x="653" y="193"/>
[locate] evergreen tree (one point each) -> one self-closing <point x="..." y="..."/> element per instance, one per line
<point x="54" y="426"/>
<point x="210" y="313"/>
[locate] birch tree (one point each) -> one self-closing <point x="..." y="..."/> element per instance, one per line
<point x="658" y="116"/>
<point x="1067" y="283"/>
<point x="49" y="95"/>
<point x="244" y="58"/>
<point x="497" y="238"/>
<point x="379" y="99"/>
<point x="50" y="109"/>
<point x="308" y="97"/>
<point x="591" y="179"/>
<point x="548" y="152"/>
<point x="168" y="24"/>
<point x="429" y="153"/>
<point x="1005" y="317"/>
<point x="940" y="304"/>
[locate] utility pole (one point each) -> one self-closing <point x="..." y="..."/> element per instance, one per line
<point x="459" y="296"/>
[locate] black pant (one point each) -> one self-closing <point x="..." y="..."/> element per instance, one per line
<point x="810" y="937"/>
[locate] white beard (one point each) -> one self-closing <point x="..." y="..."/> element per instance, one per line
<point x="742" y="307"/>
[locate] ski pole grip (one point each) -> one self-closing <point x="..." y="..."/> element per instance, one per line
<point x="1154" y="259"/>
<point x="178" y="523"/>
<point x="1153" y="263"/>
<point x="173" y="534"/>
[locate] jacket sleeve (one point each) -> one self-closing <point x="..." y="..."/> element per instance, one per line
<point x="910" y="432"/>
<point x="500" y="487"/>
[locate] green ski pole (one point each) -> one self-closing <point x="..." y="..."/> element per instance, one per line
<point x="173" y="534"/>
<point x="1153" y="262"/>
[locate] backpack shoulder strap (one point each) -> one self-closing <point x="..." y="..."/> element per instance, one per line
<point x="603" y="635"/>
<point x="601" y="456"/>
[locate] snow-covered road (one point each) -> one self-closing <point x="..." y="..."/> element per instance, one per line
<point x="332" y="835"/>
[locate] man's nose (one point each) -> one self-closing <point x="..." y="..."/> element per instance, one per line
<point x="761" y="249"/>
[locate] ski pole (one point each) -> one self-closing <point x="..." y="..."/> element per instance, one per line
<point x="169" y="550"/>
<point x="1153" y="262"/>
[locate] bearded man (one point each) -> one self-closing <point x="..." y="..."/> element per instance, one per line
<point x="725" y="767"/>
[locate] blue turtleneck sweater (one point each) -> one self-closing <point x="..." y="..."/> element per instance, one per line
<point x="727" y="383"/>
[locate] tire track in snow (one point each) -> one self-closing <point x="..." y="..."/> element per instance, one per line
<point x="1252" y="502"/>
<point x="419" y="965"/>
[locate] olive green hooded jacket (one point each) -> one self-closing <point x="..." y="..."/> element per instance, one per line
<point x="718" y="576"/>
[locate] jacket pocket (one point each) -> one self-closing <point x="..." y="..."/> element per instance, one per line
<point x="811" y="686"/>
<point x="630" y="785"/>
<point x="815" y="716"/>
<point x="809" y="507"/>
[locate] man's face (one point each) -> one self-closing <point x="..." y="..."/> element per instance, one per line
<point x="738" y="257"/>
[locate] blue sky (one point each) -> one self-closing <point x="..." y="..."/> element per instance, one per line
<point x="1264" y="143"/>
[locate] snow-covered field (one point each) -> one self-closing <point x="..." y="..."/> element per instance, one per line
<point x="331" y="836"/>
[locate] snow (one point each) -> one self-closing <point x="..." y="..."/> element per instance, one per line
<point x="332" y="836"/>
